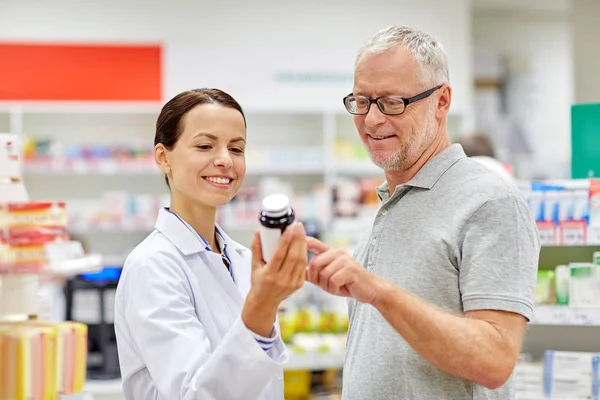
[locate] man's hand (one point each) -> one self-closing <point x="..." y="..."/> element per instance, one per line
<point x="337" y="273"/>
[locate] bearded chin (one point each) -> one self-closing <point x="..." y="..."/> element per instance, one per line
<point x="397" y="159"/>
<point x="389" y="162"/>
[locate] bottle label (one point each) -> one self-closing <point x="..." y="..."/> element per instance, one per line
<point x="269" y="238"/>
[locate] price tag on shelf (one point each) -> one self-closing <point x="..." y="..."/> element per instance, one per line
<point x="558" y="316"/>
<point x="547" y="232"/>
<point x="9" y="156"/>
<point x="80" y="167"/>
<point x="563" y="316"/>
<point x="107" y="167"/>
<point x="585" y="316"/>
<point x="573" y="233"/>
<point x="62" y="251"/>
<point x="76" y="396"/>
<point x="44" y="307"/>
<point x="593" y="236"/>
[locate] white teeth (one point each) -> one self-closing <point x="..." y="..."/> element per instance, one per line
<point x="222" y="181"/>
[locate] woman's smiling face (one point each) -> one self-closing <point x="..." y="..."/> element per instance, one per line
<point x="207" y="165"/>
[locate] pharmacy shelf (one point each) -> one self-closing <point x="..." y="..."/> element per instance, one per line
<point x="552" y="256"/>
<point x="90" y="168"/>
<point x="76" y="396"/>
<point x="314" y="168"/>
<point x="113" y="169"/>
<point x="81" y="265"/>
<point x="105" y="387"/>
<point x="315" y="361"/>
<point x="81" y="107"/>
<point x="545" y="398"/>
<point x="76" y="266"/>
<point x="110" y="230"/>
<point x="566" y="315"/>
<point x="358" y="168"/>
<point x="19" y="291"/>
<point x="542" y="397"/>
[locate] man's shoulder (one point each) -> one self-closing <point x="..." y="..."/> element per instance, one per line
<point x="468" y="179"/>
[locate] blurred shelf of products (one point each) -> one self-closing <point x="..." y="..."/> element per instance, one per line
<point x="560" y="375"/>
<point x="575" y="285"/>
<point x="566" y="317"/>
<point x="40" y="359"/>
<point x="53" y="157"/>
<point x="567" y="212"/>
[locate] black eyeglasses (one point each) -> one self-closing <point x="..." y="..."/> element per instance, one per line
<point x="388" y="105"/>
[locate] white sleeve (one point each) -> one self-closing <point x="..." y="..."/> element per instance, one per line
<point x="266" y="343"/>
<point x="175" y="349"/>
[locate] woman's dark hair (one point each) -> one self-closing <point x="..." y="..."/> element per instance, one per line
<point x="169" y="125"/>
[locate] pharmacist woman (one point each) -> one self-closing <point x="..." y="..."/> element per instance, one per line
<point x="195" y="312"/>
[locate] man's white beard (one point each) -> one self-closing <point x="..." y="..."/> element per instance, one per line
<point x="411" y="151"/>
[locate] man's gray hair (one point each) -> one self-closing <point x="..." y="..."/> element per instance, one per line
<point x="427" y="51"/>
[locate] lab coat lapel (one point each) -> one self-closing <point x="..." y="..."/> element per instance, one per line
<point x="178" y="233"/>
<point x="191" y="246"/>
<point x="220" y="272"/>
<point x="242" y="260"/>
<point x="241" y="264"/>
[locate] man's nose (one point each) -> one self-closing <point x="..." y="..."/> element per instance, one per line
<point x="374" y="116"/>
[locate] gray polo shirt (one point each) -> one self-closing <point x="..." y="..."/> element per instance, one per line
<point x="459" y="237"/>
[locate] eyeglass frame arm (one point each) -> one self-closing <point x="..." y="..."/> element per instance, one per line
<point x="406" y="101"/>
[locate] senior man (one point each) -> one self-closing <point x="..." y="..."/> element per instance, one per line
<point x="443" y="286"/>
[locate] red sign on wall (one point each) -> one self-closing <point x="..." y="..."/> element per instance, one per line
<point x="80" y="72"/>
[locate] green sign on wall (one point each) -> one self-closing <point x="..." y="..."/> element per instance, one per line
<point x="585" y="141"/>
<point x="314" y="77"/>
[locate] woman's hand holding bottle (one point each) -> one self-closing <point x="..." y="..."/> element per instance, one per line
<point x="275" y="281"/>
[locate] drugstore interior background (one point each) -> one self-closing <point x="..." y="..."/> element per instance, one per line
<point x="81" y="84"/>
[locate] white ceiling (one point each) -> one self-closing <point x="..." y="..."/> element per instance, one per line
<point x="523" y="5"/>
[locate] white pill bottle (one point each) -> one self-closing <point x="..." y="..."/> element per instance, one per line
<point x="275" y="216"/>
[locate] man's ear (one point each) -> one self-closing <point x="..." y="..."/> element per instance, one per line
<point x="161" y="159"/>
<point x="443" y="106"/>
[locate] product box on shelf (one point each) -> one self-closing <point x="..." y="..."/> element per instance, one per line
<point x="41" y="360"/>
<point x="9" y="156"/>
<point x="25" y="230"/>
<point x="594" y="230"/>
<point x="576" y="284"/>
<point x="42" y="155"/>
<point x="529" y="380"/>
<point x="584" y="284"/>
<point x="573" y="375"/>
<point x="562" y="211"/>
<point x="545" y="290"/>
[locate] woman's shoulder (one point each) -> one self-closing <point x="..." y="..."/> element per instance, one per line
<point x="154" y="252"/>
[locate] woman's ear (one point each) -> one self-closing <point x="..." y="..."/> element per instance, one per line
<point x="160" y="157"/>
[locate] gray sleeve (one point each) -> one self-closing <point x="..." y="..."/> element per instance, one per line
<point x="499" y="253"/>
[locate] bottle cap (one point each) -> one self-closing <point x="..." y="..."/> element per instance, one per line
<point x="276" y="204"/>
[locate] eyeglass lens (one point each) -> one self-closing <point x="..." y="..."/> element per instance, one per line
<point x="387" y="105"/>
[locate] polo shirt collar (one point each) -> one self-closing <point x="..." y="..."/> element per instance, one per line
<point x="431" y="172"/>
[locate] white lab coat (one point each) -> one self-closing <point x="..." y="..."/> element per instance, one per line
<point x="178" y="322"/>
